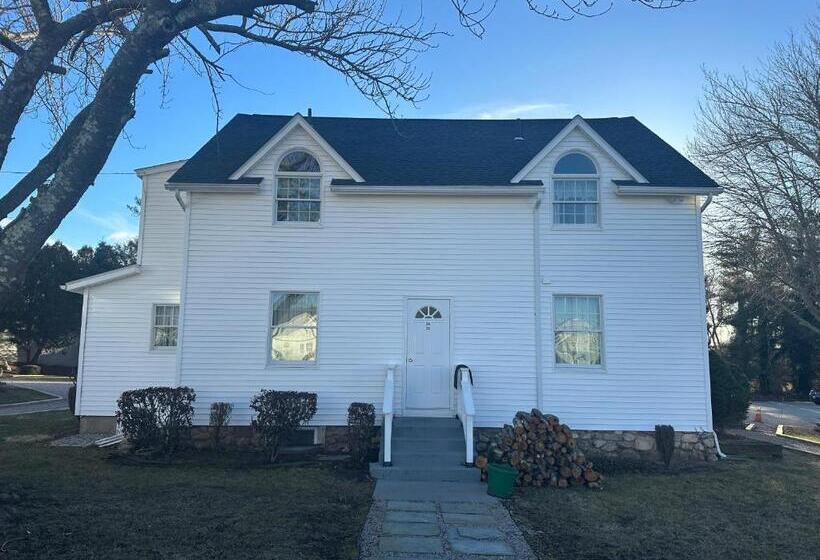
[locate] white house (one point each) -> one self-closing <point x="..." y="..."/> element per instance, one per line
<point x="560" y="259"/>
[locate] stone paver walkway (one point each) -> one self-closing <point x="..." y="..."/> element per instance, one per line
<point x="433" y="530"/>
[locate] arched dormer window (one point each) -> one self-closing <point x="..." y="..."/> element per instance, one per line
<point x="575" y="193"/>
<point x="298" y="188"/>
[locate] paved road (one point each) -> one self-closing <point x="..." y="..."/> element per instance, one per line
<point x="57" y="388"/>
<point x="793" y="413"/>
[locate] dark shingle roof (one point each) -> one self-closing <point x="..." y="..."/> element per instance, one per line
<point x="438" y="151"/>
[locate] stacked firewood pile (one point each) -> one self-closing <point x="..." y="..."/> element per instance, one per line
<point x="542" y="449"/>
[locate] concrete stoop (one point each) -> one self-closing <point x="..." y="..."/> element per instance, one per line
<point x="426" y="449"/>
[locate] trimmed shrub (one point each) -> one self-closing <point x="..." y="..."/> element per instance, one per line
<point x="361" y="427"/>
<point x="279" y="414"/>
<point x="730" y="393"/>
<point x="220" y="416"/>
<point x="157" y="418"/>
<point x="665" y="443"/>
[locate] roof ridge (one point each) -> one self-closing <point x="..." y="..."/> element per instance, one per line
<point x="432" y="119"/>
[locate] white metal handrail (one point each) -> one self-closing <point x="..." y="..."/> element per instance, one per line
<point x="387" y="410"/>
<point x="466" y="410"/>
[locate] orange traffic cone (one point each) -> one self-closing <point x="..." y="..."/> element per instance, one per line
<point x="759" y="416"/>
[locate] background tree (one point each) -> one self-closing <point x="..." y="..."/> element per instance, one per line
<point x="759" y="135"/>
<point x="83" y="62"/>
<point x="44" y="317"/>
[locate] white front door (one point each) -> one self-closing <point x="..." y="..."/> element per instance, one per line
<point x="428" y="380"/>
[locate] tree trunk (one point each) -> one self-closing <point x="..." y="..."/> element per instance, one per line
<point x="107" y="116"/>
<point x="19" y="88"/>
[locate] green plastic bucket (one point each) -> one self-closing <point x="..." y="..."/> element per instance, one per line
<point x="501" y="480"/>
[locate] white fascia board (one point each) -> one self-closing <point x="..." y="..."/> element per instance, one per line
<point x="77" y="286"/>
<point x="159" y="168"/>
<point x="467" y="190"/>
<point x="579" y="122"/>
<point x="654" y="190"/>
<point x="213" y="187"/>
<point x="297" y="120"/>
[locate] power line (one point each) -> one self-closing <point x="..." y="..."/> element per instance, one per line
<point x="100" y="173"/>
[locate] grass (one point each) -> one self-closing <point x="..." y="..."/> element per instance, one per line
<point x="42" y="425"/>
<point x="10" y="394"/>
<point x="80" y="503"/>
<point x="745" y="509"/>
<point x="803" y="434"/>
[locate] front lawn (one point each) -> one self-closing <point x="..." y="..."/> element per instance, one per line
<point x="744" y="509"/>
<point x="78" y="503"/>
<point x="10" y="394"/>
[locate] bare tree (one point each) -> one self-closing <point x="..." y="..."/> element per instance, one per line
<point x="759" y="134"/>
<point x="83" y="60"/>
<point x="717" y="311"/>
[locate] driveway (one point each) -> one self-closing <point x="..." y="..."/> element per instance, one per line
<point x="792" y="413"/>
<point x="57" y="388"/>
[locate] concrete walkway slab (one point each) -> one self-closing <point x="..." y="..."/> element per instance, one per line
<point x="413" y="545"/>
<point x="432" y="491"/>
<point x="404" y="505"/>
<point x="411" y="516"/>
<point x="395" y="528"/>
<point x="446" y="527"/>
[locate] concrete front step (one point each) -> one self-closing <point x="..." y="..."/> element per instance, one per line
<point x="428" y="473"/>
<point x="433" y="460"/>
<point x="426" y="449"/>
<point x="425" y="432"/>
<point x="422" y="446"/>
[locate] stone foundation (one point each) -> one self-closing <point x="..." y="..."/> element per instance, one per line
<point x="621" y="444"/>
<point x="689" y="446"/>
<point x="97" y="424"/>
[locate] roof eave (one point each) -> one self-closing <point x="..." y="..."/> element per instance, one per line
<point x="662" y="190"/>
<point x="77" y="286"/>
<point x="214" y="187"/>
<point x="440" y="190"/>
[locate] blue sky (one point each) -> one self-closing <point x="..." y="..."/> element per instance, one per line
<point x="631" y="61"/>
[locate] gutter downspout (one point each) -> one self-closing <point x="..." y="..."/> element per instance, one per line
<point x="178" y="196"/>
<point x="536" y="288"/>
<point x="720" y="454"/>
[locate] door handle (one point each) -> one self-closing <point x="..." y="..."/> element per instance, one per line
<point x="410" y="360"/>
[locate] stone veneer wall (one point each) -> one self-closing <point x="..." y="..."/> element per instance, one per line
<point x="689" y="446"/>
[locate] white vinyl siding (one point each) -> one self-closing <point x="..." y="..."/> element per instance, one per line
<point x="118" y="352"/>
<point x="645" y="265"/>
<point x="371" y="254"/>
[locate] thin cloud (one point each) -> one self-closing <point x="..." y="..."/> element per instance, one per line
<point x="511" y="111"/>
<point x="120" y="236"/>
<point x="115" y="227"/>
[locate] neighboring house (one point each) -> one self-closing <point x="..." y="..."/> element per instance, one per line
<point x="62" y="359"/>
<point x="561" y="260"/>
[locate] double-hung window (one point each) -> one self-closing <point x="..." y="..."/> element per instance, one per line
<point x="294" y="327"/>
<point x="298" y="188"/>
<point x="575" y="193"/>
<point x="165" y="326"/>
<point x="578" y="330"/>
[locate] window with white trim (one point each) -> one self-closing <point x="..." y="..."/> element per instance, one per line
<point x="165" y="326"/>
<point x="578" y="330"/>
<point x="298" y="188"/>
<point x="294" y="327"/>
<point x="575" y="193"/>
